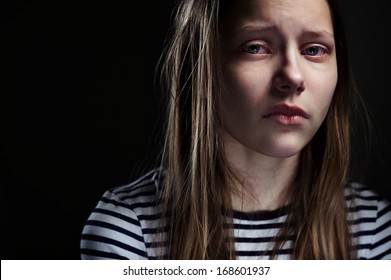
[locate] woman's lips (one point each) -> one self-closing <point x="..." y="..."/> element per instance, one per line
<point x="287" y="115"/>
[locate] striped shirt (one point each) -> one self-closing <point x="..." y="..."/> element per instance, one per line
<point x="125" y="221"/>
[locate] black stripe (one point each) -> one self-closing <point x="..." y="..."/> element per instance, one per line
<point x="149" y="204"/>
<point x="132" y="188"/>
<point x="156" y="244"/>
<point x="362" y="221"/>
<point x="383" y="227"/>
<point x="154" y="230"/>
<point x="362" y="233"/>
<point x="110" y="241"/>
<point x="384" y="211"/>
<point x="366" y="198"/>
<point x="251" y="226"/>
<point x="263" y="253"/>
<point x="117" y="215"/>
<point x="381" y="242"/>
<point x="382" y="255"/>
<point x="96" y="253"/>
<point x="253" y="239"/>
<point x="261" y="215"/>
<point x="140" y="194"/>
<point x="362" y="246"/>
<point x="128" y="206"/>
<point x="116" y="203"/>
<point x="150" y="217"/>
<point x="262" y="239"/>
<point x="362" y="207"/>
<point x="362" y="188"/>
<point x="115" y="228"/>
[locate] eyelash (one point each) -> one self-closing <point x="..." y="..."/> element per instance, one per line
<point x="318" y="49"/>
<point x="246" y="49"/>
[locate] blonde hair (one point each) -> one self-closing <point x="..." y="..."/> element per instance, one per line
<point x="196" y="192"/>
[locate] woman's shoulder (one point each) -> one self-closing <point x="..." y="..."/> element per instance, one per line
<point x="365" y="197"/>
<point x="367" y="206"/>
<point x="364" y="193"/>
<point x="145" y="187"/>
<point x="370" y="218"/>
<point x="115" y="229"/>
<point x="140" y="196"/>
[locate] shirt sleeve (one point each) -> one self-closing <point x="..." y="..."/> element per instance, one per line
<point x="381" y="238"/>
<point x="112" y="231"/>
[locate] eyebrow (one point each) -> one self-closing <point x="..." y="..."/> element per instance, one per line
<point x="321" y="33"/>
<point x="254" y="28"/>
<point x="318" y="33"/>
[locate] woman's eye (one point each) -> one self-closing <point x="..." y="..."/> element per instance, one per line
<point x="255" y="49"/>
<point x="314" y="51"/>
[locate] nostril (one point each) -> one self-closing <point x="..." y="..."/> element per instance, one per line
<point x="288" y="85"/>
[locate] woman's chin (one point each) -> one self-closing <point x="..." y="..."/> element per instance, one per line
<point x="283" y="151"/>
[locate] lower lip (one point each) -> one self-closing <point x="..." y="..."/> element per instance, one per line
<point x="287" y="120"/>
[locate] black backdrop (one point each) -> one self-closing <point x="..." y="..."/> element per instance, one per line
<point x="79" y="112"/>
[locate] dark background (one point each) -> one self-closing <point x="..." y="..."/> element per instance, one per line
<point x="79" y="112"/>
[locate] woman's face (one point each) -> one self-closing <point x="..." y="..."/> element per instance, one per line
<point x="279" y="73"/>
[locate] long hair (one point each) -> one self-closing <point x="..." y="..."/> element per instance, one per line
<point x="196" y="194"/>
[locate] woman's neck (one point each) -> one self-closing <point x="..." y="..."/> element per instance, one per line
<point x="261" y="182"/>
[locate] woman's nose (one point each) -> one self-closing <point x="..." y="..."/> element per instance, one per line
<point x="289" y="78"/>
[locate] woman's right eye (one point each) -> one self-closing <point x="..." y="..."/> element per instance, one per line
<point x="255" y="49"/>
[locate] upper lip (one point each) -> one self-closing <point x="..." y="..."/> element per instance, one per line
<point x="284" y="109"/>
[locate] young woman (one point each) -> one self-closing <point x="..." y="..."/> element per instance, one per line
<point x="256" y="159"/>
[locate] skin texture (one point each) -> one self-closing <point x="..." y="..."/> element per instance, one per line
<point x="275" y="52"/>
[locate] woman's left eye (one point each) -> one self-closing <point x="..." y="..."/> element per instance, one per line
<point x="314" y="51"/>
